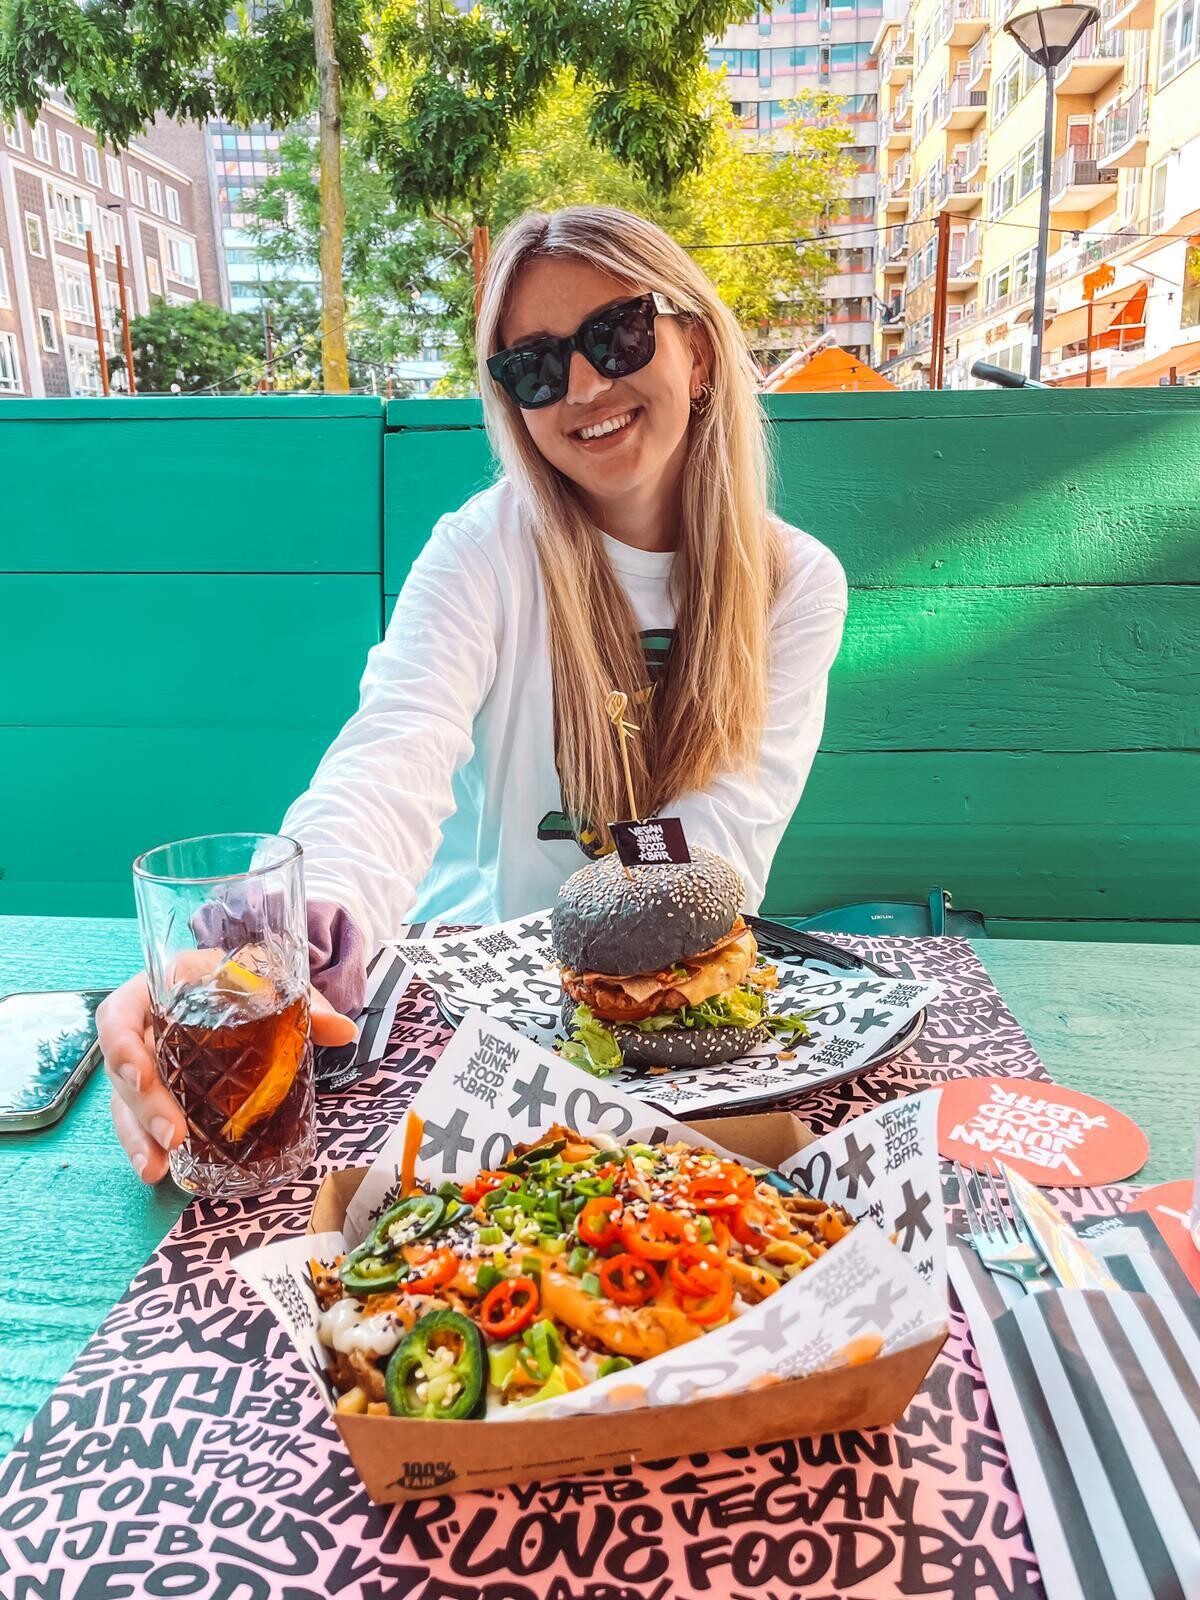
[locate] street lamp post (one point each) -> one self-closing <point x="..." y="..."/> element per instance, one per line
<point x="1047" y="35"/>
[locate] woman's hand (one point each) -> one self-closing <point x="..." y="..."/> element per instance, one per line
<point x="145" y="1114"/>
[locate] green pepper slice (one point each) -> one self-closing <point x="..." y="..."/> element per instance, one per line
<point x="423" y="1382"/>
<point x="364" y="1271"/>
<point x="540" y="1152"/>
<point x="414" y="1218"/>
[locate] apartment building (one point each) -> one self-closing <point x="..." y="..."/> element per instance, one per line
<point x="57" y="185"/>
<point x="819" y="45"/>
<point x="962" y="117"/>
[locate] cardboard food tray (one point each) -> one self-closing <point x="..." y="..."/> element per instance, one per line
<point x="402" y="1459"/>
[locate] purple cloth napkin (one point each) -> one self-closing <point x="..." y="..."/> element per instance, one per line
<point x="337" y="954"/>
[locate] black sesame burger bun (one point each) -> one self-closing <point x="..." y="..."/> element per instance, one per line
<point x="604" y="923"/>
<point x="678" y="1047"/>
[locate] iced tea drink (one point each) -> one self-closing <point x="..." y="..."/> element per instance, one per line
<point x="227" y="959"/>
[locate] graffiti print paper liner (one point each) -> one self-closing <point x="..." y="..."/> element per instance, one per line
<point x="493" y="1088"/>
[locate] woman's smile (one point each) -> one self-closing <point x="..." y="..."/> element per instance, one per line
<point x="607" y="433"/>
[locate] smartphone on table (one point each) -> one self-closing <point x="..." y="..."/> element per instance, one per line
<point x="48" y="1049"/>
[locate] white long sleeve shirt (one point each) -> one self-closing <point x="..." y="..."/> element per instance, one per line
<point x="430" y="801"/>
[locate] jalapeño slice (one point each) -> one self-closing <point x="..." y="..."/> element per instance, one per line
<point x="439" y="1370"/>
<point x="411" y="1220"/>
<point x="364" y="1271"/>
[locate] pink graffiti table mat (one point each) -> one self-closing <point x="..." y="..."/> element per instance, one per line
<point x="186" y="1453"/>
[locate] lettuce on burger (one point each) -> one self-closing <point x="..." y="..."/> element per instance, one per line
<point x="661" y="970"/>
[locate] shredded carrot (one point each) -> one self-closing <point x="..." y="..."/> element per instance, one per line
<point x="414" y="1128"/>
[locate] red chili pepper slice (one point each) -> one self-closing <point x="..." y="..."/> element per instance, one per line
<point x="629" y="1281"/>
<point x="655" y="1237"/>
<point x="597" y="1223"/>
<point x="697" y="1271"/>
<point x="508" y="1307"/>
<point x="482" y="1183"/>
<point x="435" y="1268"/>
<point x="746" y="1231"/>
<point x="710" y="1308"/>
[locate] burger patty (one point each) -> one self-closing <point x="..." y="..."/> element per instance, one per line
<point x="645" y="994"/>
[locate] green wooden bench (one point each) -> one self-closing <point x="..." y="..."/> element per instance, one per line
<point x="1012" y="714"/>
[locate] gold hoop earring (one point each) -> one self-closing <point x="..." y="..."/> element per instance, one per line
<point x="702" y="400"/>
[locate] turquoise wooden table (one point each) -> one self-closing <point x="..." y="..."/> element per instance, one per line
<point x="1121" y="1021"/>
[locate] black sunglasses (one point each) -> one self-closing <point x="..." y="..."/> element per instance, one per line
<point x="616" y="342"/>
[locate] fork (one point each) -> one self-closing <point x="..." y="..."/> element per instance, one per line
<point x="995" y="1238"/>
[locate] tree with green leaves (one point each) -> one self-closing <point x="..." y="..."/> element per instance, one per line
<point x="406" y="268"/>
<point x="122" y="64"/>
<point x="194" y="347"/>
<point x="468" y="85"/>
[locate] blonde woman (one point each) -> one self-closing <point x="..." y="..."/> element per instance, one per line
<point x="628" y="544"/>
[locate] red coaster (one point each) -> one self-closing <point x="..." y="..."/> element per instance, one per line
<point x="1054" y="1136"/>
<point x="1169" y="1205"/>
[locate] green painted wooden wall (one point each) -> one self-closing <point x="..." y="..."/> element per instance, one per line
<point x="189" y="589"/>
<point x="1014" y="711"/>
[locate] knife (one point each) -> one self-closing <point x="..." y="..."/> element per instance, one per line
<point x="1064" y="1252"/>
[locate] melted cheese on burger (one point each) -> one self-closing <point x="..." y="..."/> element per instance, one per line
<point x="645" y="994"/>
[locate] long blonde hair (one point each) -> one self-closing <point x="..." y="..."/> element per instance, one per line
<point x="705" y="715"/>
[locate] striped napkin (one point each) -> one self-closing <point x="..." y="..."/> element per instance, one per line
<point x="1098" y="1398"/>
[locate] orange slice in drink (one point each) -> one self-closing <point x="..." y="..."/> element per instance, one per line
<point x="271" y="1090"/>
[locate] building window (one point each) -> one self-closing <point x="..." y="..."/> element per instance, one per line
<point x="91" y="164"/>
<point x="66" y="152"/>
<point x="1005" y="93"/>
<point x="74" y="293"/>
<point x="83" y="368"/>
<point x="1023" y="268"/>
<point x="41" y="141"/>
<point x="737" y="63"/>
<point x="48" y="331"/>
<point x="70" y="216"/>
<point x="136" y="192"/>
<point x="10" y="365"/>
<point x="1002" y="192"/>
<point x="1158" y="197"/>
<point x="154" y="190"/>
<point x="35" y="241"/>
<point x="1179" y="40"/>
<point x="13" y="137"/>
<point x="172" y="203"/>
<point x="5" y="296"/>
<point x="1029" y="168"/>
<point x="153" y="276"/>
<point x="181" y="259"/>
<point x="110" y="235"/>
<point x="112" y="171"/>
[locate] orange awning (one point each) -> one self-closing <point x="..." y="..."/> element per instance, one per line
<point x="830" y="370"/>
<point x="1185" y="358"/>
<point x="1126" y="308"/>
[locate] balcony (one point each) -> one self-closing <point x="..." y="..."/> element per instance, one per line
<point x="896" y="129"/>
<point x="895" y="65"/>
<point x="1122" y="133"/>
<point x="895" y="194"/>
<point x="1096" y="60"/>
<point x="961" y="23"/>
<point x="1078" y="181"/>
<point x="979" y="64"/>
<point x="1121" y="14"/>
<point x="967" y="107"/>
<point x="965" y="252"/>
<point x="893" y="313"/>
<point x="848" y="285"/>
